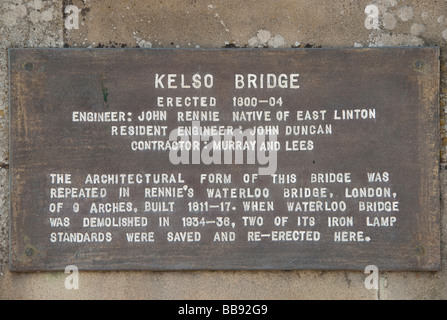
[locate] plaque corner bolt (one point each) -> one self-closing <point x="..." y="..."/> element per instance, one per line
<point x="418" y="65"/>
<point x="29" y="251"/>
<point x="420" y="251"/>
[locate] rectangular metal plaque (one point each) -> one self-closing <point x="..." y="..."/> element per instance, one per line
<point x="135" y="159"/>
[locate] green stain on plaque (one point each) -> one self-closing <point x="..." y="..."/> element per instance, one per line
<point x="105" y="94"/>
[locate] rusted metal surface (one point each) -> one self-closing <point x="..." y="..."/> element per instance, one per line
<point x="355" y="179"/>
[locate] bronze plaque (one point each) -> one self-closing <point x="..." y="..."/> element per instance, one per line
<point x="135" y="159"/>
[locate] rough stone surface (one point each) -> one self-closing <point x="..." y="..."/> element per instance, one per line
<point x="211" y="24"/>
<point x="417" y="29"/>
<point x="405" y="13"/>
<point x="389" y="21"/>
